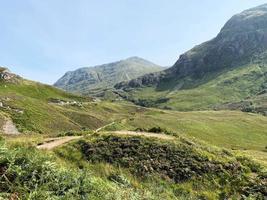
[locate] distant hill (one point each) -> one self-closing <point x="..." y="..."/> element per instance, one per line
<point x="230" y="67"/>
<point x="92" y="80"/>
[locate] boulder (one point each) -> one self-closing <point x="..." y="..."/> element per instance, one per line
<point x="6" y="75"/>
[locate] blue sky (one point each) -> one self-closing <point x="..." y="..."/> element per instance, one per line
<point x="42" y="39"/>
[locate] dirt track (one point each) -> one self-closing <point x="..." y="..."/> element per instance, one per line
<point x="52" y="143"/>
<point x="99" y="129"/>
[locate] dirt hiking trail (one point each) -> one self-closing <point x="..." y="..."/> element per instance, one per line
<point x="52" y="143"/>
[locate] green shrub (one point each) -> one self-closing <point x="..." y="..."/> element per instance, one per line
<point x="29" y="174"/>
<point x="179" y="162"/>
<point x="155" y="130"/>
<point x="251" y="165"/>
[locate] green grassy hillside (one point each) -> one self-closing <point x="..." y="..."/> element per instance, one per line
<point x="33" y="107"/>
<point x="222" y="128"/>
<point x="26" y="173"/>
<point x="187" y="170"/>
<point x="228" y="86"/>
<point x="128" y="168"/>
<point x="37" y="108"/>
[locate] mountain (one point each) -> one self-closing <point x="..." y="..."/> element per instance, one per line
<point x="91" y="80"/>
<point x="230" y="67"/>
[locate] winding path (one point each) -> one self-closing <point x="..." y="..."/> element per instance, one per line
<point x="99" y="129"/>
<point x="52" y="143"/>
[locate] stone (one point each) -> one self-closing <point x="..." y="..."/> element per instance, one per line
<point x="10" y="129"/>
<point x="6" y="75"/>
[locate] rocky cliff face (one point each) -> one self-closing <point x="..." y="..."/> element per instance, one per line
<point x="241" y="40"/>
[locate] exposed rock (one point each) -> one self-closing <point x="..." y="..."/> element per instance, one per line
<point x="10" y="129"/>
<point x="7" y="107"/>
<point x="6" y="75"/>
<point x="63" y="102"/>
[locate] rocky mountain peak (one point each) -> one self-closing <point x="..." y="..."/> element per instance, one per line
<point x="254" y="19"/>
<point x="98" y="78"/>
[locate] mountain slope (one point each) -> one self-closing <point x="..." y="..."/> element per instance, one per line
<point x="242" y="43"/>
<point x="39" y="108"/>
<point x="87" y="80"/>
<point x="120" y="166"/>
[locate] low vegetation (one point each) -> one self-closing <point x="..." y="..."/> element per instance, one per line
<point x="197" y="170"/>
<point x="208" y="93"/>
<point x="26" y="173"/>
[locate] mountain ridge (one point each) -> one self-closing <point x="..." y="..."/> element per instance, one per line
<point x="105" y="76"/>
<point x="231" y="47"/>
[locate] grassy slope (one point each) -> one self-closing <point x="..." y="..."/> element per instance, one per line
<point x="105" y="181"/>
<point x="39" y="116"/>
<point x="140" y="156"/>
<point x="223" y="128"/>
<point x="235" y="130"/>
<point x="228" y="86"/>
<point x="33" y="99"/>
<point x="31" y="174"/>
<point x="228" y="129"/>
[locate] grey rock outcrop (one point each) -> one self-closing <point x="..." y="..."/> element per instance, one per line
<point x="6" y="75"/>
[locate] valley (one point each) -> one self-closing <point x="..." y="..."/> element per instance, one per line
<point x="133" y="130"/>
<point x="242" y="134"/>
